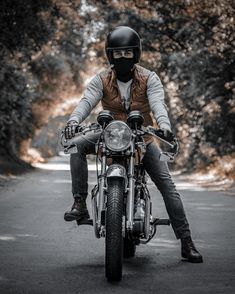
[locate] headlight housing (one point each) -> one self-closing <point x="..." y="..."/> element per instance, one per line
<point x="117" y="136"/>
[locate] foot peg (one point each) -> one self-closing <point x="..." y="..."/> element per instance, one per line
<point x="161" y="222"/>
<point x="154" y="223"/>
<point x="85" y="221"/>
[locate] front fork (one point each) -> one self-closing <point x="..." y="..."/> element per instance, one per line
<point x="131" y="192"/>
<point x="101" y="185"/>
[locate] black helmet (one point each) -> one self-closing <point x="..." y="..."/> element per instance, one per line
<point x="123" y="37"/>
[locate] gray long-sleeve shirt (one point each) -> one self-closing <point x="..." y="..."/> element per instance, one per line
<point x="94" y="93"/>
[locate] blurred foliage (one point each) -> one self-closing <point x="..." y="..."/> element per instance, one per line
<point x="36" y="68"/>
<point x="49" y="48"/>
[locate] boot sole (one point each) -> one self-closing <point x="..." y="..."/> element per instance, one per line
<point x="192" y="260"/>
<point x="69" y="217"/>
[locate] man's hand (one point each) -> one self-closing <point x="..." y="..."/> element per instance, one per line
<point x="70" y="129"/>
<point x="169" y="136"/>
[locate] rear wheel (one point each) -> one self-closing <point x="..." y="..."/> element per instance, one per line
<point x="113" y="236"/>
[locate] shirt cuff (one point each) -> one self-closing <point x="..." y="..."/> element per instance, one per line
<point x="73" y="119"/>
<point x="165" y="126"/>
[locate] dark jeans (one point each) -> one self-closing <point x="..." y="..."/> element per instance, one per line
<point x="157" y="170"/>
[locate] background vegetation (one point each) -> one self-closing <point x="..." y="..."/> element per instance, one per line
<point x="50" y="48"/>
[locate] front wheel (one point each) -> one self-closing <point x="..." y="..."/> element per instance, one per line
<point x="113" y="236"/>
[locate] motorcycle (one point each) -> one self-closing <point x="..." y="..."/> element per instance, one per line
<point x="121" y="203"/>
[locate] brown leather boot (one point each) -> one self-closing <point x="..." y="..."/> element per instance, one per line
<point x="78" y="211"/>
<point x="189" y="251"/>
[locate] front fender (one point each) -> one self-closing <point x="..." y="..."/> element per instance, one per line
<point x="116" y="171"/>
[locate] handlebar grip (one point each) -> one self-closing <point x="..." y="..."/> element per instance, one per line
<point x="170" y="138"/>
<point x="78" y="129"/>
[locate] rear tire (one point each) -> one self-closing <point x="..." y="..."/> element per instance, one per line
<point x="113" y="236"/>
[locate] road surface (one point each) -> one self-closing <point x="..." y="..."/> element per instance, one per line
<point x="40" y="253"/>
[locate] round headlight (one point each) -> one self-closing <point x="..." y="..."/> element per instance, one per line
<point x="117" y="136"/>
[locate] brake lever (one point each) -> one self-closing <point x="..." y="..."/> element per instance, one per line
<point x="164" y="156"/>
<point x="160" y="135"/>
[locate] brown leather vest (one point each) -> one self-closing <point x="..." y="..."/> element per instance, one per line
<point x="112" y="100"/>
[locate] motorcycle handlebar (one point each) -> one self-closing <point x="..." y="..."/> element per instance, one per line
<point x="149" y="130"/>
<point x="86" y="129"/>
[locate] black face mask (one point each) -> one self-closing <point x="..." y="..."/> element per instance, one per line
<point x="123" y="68"/>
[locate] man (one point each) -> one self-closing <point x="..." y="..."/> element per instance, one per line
<point x="124" y="87"/>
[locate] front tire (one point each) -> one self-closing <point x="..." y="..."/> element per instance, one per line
<point x="113" y="236"/>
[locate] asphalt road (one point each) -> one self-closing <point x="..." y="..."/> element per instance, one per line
<point x="40" y="253"/>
